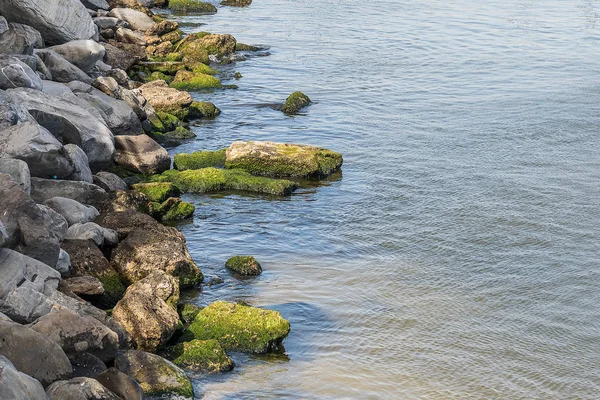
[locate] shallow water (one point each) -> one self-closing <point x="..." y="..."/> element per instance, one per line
<point x="456" y="256"/>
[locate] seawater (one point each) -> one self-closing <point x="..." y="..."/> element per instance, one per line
<point x="456" y="256"/>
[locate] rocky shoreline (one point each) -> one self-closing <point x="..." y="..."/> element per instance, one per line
<point x="90" y="277"/>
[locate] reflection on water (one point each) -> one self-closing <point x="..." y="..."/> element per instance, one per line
<point x="457" y="255"/>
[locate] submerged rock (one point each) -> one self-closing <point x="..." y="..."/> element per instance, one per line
<point x="199" y="159"/>
<point x="282" y="159"/>
<point x="201" y="355"/>
<point x="244" y="265"/>
<point x="295" y="102"/>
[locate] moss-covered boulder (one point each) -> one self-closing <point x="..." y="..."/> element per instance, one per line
<point x="201" y="355"/>
<point x="208" y="180"/>
<point x="157" y="191"/>
<point x="244" y="265"/>
<point x="172" y="209"/>
<point x="236" y="3"/>
<point x="245" y="47"/>
<point x="187" y="80"/>
<point x="156" y="375"/>
<point x="200" y="68"/>
<point x="193" y="52"/>
<point x="187" y="312"/>
<point x="172" y="37"/>
<point x="200" y="159"/>
<point x="295" y="102"/>
<point x="166" y="67"/>
<point x="239" y="327"/>
<point x="282" y="159"/>
<point x="192" y="6"/>
<point x="167" y="100"/>
<point x="174" y="137"/>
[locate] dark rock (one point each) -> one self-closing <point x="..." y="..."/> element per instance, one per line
<point x="20" y="39"/>
<point x="80" y="388"/>
<point x="86" y="365"/>
<point x="18" y="171"/>
<point x="85" y="286"/>
<point x="109" y="181"/>
<point x="141" y="154"/>
<point x="121" y="384"/>
<point x="95" y="4"/>
<point x="61" y="69"/>
<point x="83" y="192"/>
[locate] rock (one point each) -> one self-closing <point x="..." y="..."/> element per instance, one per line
<point x="240" y="328"/>
<point x="137" y="102"/>
<point x="61" y="69"/>
<point x="81" y="167"/>
<point x="95" y="4"/>
<point x="123" y="200"/>
<point x="83" y="192"/>
<point x="106" y="22"/>
<point x="203" y="109"/>
<point x="107" y="85"/>
<point x="16" y="385"/>
<point x="236" y="3"/>
<point x="17" y="74"/>
<point x="136" y="19"/>
<point x="33" y="353"/>
<point x="165" y="99"/>
<point x="76" y="334"/>
<point x="244" y="265"/>
<point x="157" y="191"/>
<point x="144" y="313"/>
<point x="80" y="388"/>
<point x="88" y="260"/>
<point x="126" y="221"/>
<point x="73" y="211"/>
<point x="187" y="312"/>
<point x="109" y="181"/>
<point x="63" y="265"/>
<point x="141" y="154"/>
<point x="18" y="171"/>
<point x="94" y="232"/>
<point x="121" y="384"/>
<point x="199" y="159"/>
<point x="3" y="235"/>
<point x="57" y="89"/>
<point x="295" y="102"/>
<point x="71" y="124"/>
<point x="123" y="56"/>
<point x="172" y="209"/>
<point x="20" y="39"/>
<point x="11" y="112"/>
<point x="146" y="251"/>
<point x="29" y="228"/>
<point x="129" y="36"/>
<point x="201" y="355"/>
<point x="192" y="6"/>
<point x="85" y="286"/>
<point x="282" y="159"/>
<point x="84" y="54"/>
<point x="57" y="224"/>
<point x="86" y="365"/>
<point x="191" y="81"/>
<point x="155" y="375"/>
<point x="3" y="25"/>
<point x="162" y="28"/>
<point x="36" y="146"/>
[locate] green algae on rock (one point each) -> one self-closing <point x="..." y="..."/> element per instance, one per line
<point x="236" y="3"/>
<point x="207" y="180"/>
<point x="203" y="109"/>
<point x="201" y="355"/>
<point x="192" y="5"/>
<point x="199" y="159"/>
<point x="239" y="327"/>
<point x="157" y="191"/>
<point x="172" y="209"/>
<point x="295" y="102"/>
<point x="282" y="159"/>
<point x="191" y="81"/>
<point x="200" y="68"/>
<point x="188" y="312"/>
<point x="244" y="265"/>
<point x="245" y="47"/>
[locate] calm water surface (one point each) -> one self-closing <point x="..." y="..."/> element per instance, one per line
<point x="456" y="256"/>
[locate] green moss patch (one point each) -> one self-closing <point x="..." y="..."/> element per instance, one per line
<point x="201" y="355"/>
<point x="172" y="209"/>
<point x="245" y="47"/>
<point x="200" y="159"/>
<point x="188" y="312"/>
<point x="240" y="328"/>
<point x="244" y="265"/>
<point x="113" y="287"/>
<point x="186" y="80"/>
<point x="200" y="68"/>
<point x="203" y="109"/>
<point x="192" y="5"/>
<point x="157" y="191"/>
<point x="295" y="102"/>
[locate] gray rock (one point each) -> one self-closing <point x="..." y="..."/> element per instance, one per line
<point x="58" y="21"/>
<point x="81" y="171"/>
<point x="128" y="36"/>
<point x="3" y="24"/>
<point x="15" y="73"/>
<point x="20" y="39"/>
<point x="73" y="211"/>
<point x="18" y="171"/>
<point x="136" y="19"/>
<point x="85" y="286"/>
<point x="56" y="89"/>
<point x="94" y="232"/>
<point x="58" y="224"/>
<point x="87" y="365"/>
<point x="82" y="53"/>
<point x="35" y="145"/>
<point x="136" y="101"/>
<point x="141" y="154"/>
<point x="120" y="384"/>
<point x="30" y="60"/>
<point x="41" y="69"/>
<point x="11" y="112"/>
<point x="63" y="265"/>
<point x="109" y="181"/>
<point x="120" y="76"/>
<point x="80" y="388"/>
<point x="76" y="334"/>
<point x="16" y="385"/>
<point x="33" y="353"/>
<point x="83" y="192"/>
<point x="61" y="69"/>
<point x="3" y="235"/>
<point x="95" y="4"/>
<point x="106" y="22"/>
<point x="70" y="123"/>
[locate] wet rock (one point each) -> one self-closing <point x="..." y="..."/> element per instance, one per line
<point x="16" y="385"/>
<point x="295" y="102"/>
<point x="199" y="159"/>
<point x="141" y="154"/>
<point x="162" y="28"/>
<point x="84" y="54"/>
<point x="109" y="181"/>
<point x="155" y="375"/>
<point x="18" y="171"/>
<point x="192" y="6"/>
<point x="80" y="388"/>
<point x="282" y="159"/>
<point x="73" y="211"/>
<point x="201" y="355"/>
<point x="61" y="69"/>
<point x="219" y="45"/>
<point x="94" y="232"/>
<point x="121" y="384"/>
<point x="83" y="192"/>
<point x="236" y="3"/>
<point x="172" y="209"/>
<point x="136" y="19"/>
<point x="85" y="286"/>
<point x="17" y="74"/>
<point x="191" y="81"/>
<point x="86" y="365"/>
<point x="244" y="265"/>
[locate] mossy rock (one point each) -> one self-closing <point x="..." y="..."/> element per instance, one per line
<point x="201" y="355"/>
<point x="282" y="159"/>
<point x="194" y="52"/>
<point x="114" y="288"/>
<point x="208" y="180"/>
<point x="203" y="109"/>
<point x="166" y="67"/>
<point x="239" y="327"/>
<point x="191" y="81"/>
<point x="172" y="209"/>
<point x="295" y="102"/>
<point x="245" y="47"/>
<point x="155" y="76"/>
<point x="188" y="312"/>
<point x="173" y="57"/>
<point x="236" y="3"/>
<point x="244" y="265"/>
<point x="192" y="5"/>
<point x="172" y="37"/>
<point x="200" y="68"/>
<point x="199" y="159"/>
<point x="238" y="75"/>
<point x="169" y="121"/>
<point x="157" y="191"/>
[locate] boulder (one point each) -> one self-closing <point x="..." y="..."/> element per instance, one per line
<point x="145" y="251"/>
<point x="70" y="123"/>
<point x="3" y="24"/>
<point x="11" y="112"/>
<point x="80" y="388"/>
<point x="136" y="19"/>
<point x="123" y="56"/>
<point x="106" y="84"/>
<point x="121" y="384"/>
<point x="157" y="191"/>
<point x="29" y="229"/>
<point x="20" y="39"/>
<point x="15" y="385"/>
<point x="240" y="328"/>
<point x="94" y="232"/>
<point x="81" y="166"/>
<point x="295" y="102"/>
<point x="282" y="159"/>
<point x="124" y="200"/>
<point x="205" y="356"/>
<point x="85" y="286"/>
<point x="165" y="99"/>
<point x="96" y="4"/>
<point x="236" y="3"/>
<point x="244" y="265"/>
<point x="144" y="313"/>
<point x="106" y="22"/>
<point x="156" y="376"/>
<point x="73" y="211"/>
<point x="76" y="334"/>
<point x="84" y="54"/>
<point x="58" y="21"/>
<point x="63" y="265"/>
<point x="192" y="5"/>
<point x="141" y="154"/>
<point x="3" y="235"/>
<point x="172" y="209"/>
<point x="162" y="27"/>
<point x="60" y="69"/>
<point x="16" y="73"/>
<point x="128" y="36"/>
<point x="18" y="171"/>
<point x="126" y="221"/>
<point x="86" y="365"/>
<point x="33" y="353"/>
<point x="83" y="192"/>
<point x="109" y="181"/>
<point x="58" y="224"/>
